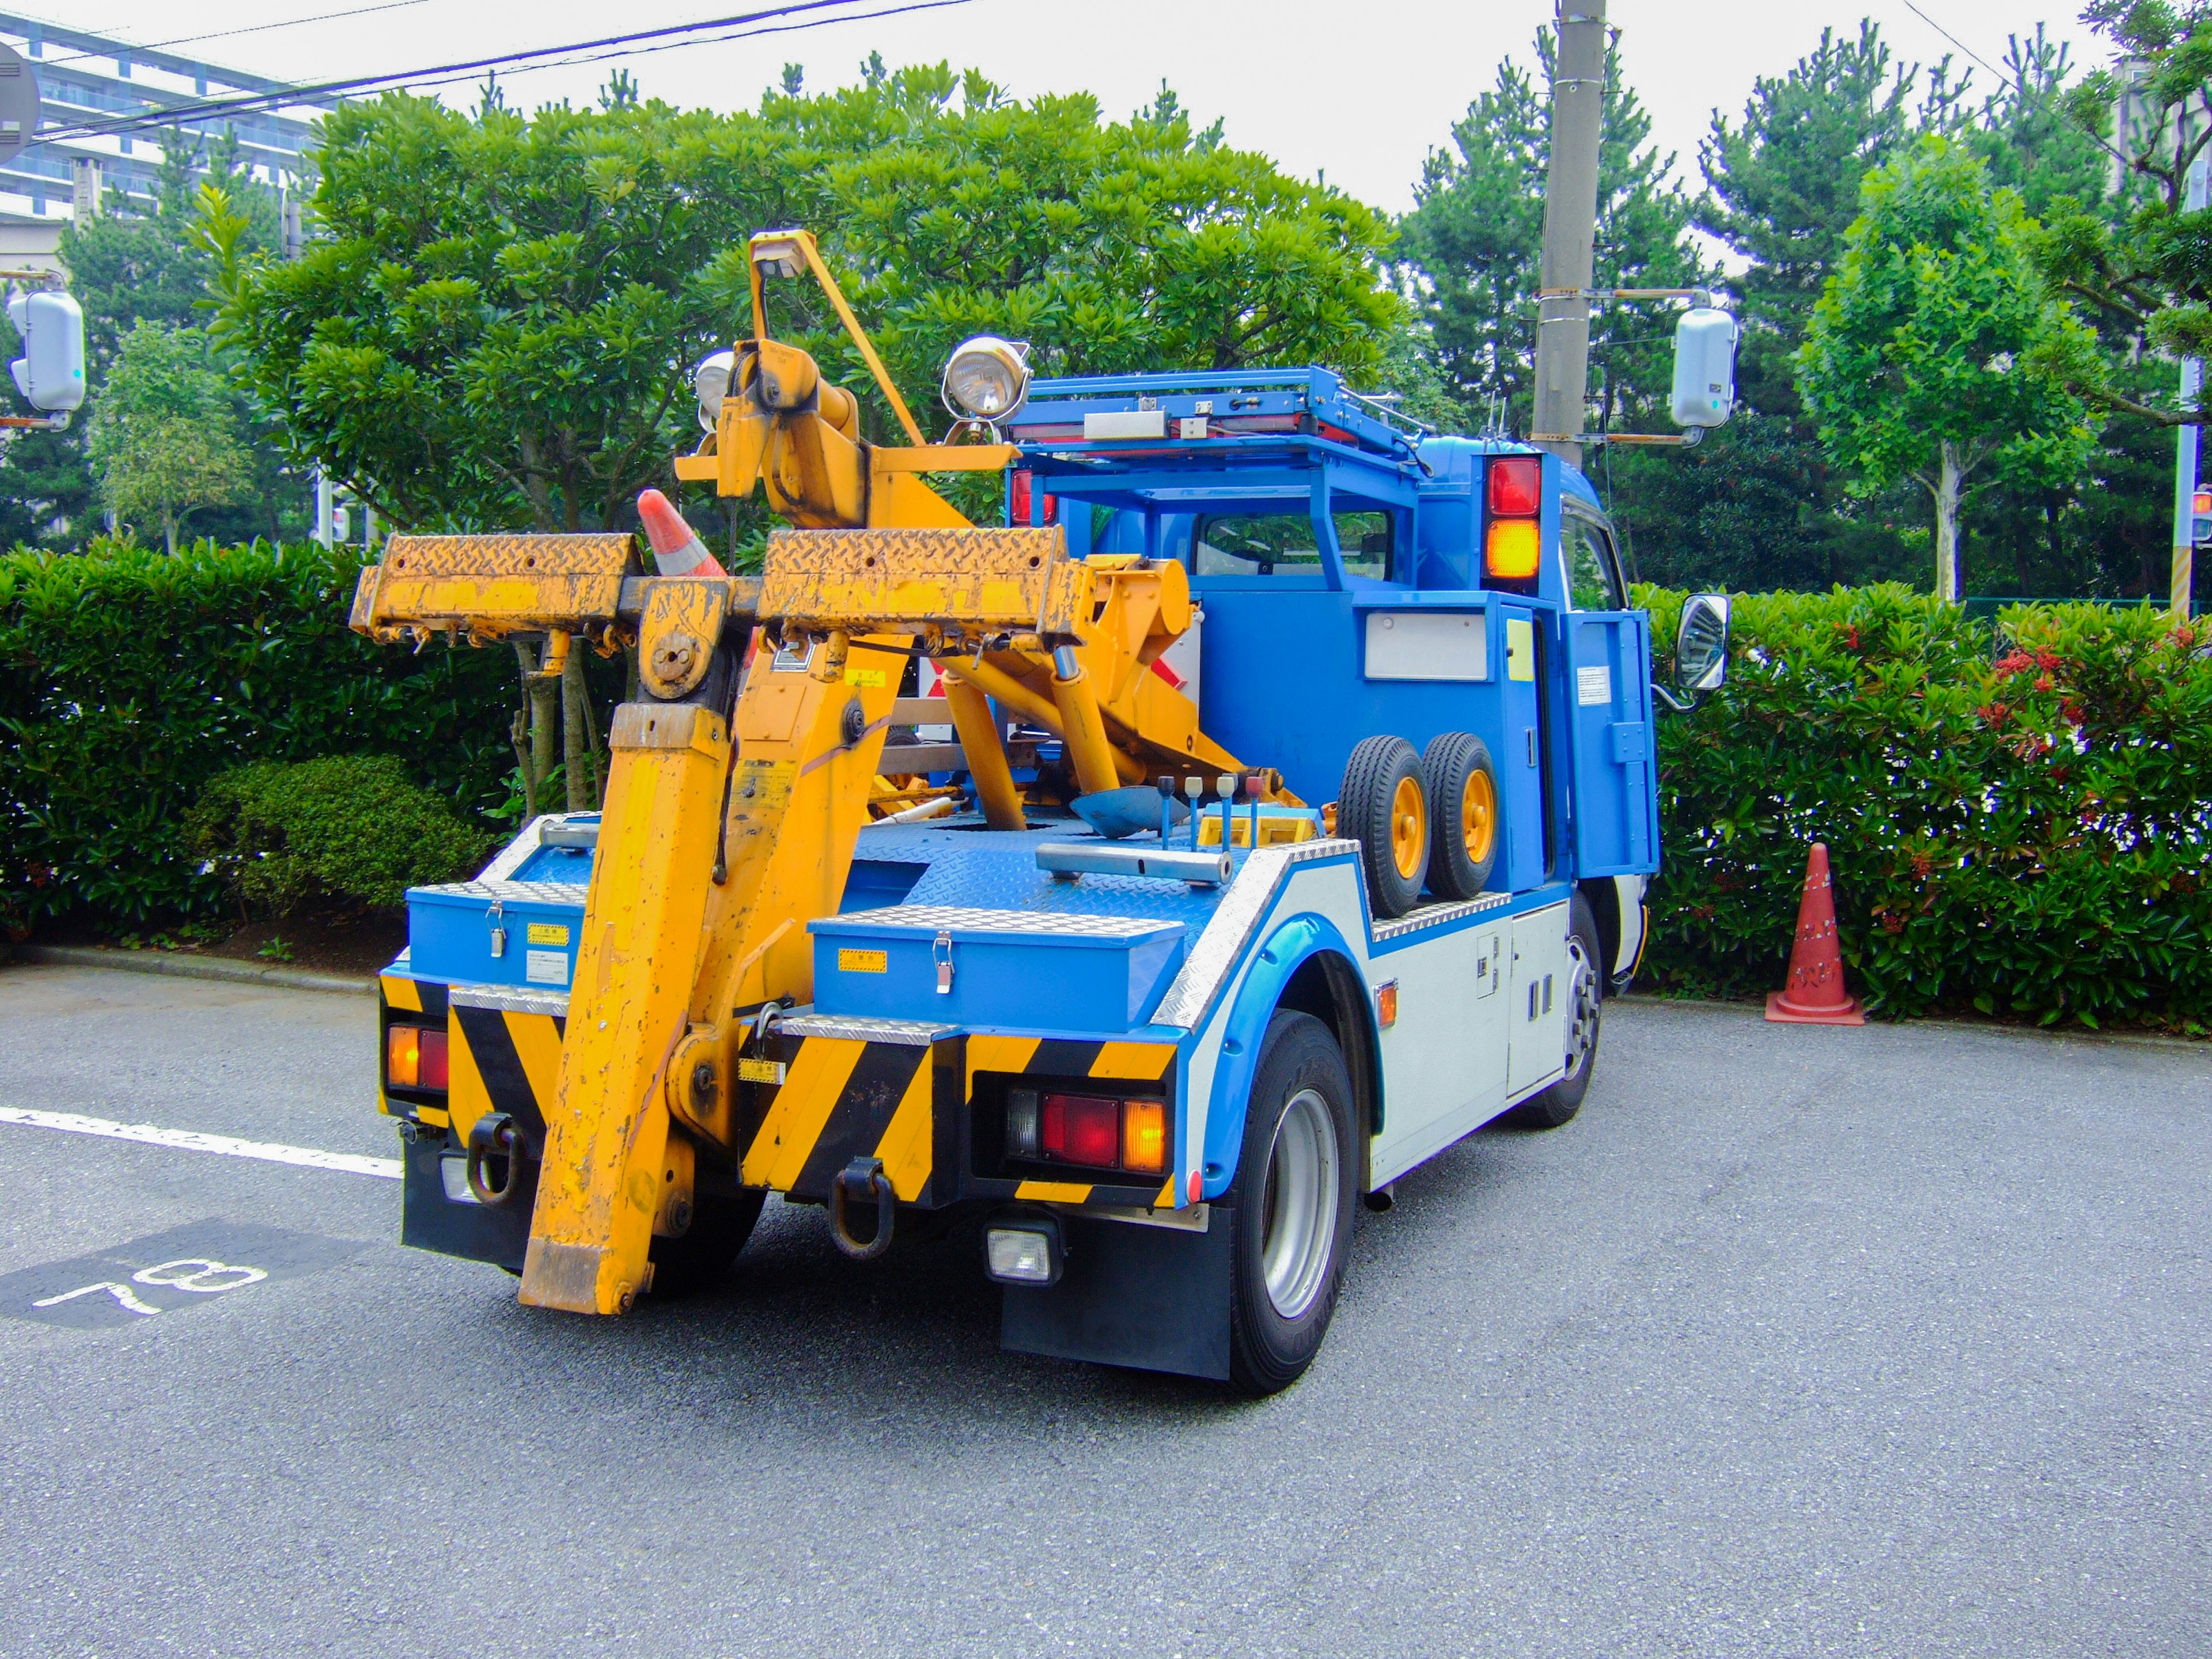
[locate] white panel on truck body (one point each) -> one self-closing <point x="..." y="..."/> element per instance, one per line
<point x="1427" y="645"/>
<point x="1443" y="1062"/>
<point x="1536" y="1006"/>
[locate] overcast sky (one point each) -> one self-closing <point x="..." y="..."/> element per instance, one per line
<point x="1362" y="91"/>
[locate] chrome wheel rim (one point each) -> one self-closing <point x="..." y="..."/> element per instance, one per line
<point x="1581" y="1007"/>
<point x="1298" y="1214"/>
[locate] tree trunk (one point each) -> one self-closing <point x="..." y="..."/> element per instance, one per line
<point x="542" y="701"/>
<point x="169" y="532"/>
<point x="579" y="770"/>
<point x="1947" y="525"/>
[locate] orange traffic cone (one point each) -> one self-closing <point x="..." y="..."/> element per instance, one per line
<point x="676" y="548"/>
<point x="1814" y="996"/>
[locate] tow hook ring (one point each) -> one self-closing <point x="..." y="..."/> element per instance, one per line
<point x="863" y="1175"/>
<point x="494" y="1136"/>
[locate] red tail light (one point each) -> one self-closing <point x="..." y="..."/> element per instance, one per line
<point x="1100" y="1132"/>
<point x="1516" y="486"/>
<point x="1083" y="1129"/>
<point x="1022" y="486"/>
<point x="414" y="1057"/>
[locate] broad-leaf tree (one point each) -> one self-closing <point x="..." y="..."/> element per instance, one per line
<point x="1936" y="350"/>
<point x="498" y="326"/>
<point x="164" y="439"/>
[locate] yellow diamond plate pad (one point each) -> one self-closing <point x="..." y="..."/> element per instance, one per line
<point x="1019" y="580"/>
<point x="492" y="584"/>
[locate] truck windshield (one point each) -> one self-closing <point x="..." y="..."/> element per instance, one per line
<point x="1262" y="544"/>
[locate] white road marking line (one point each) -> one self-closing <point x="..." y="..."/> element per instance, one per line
<point x="193" y="1140"/>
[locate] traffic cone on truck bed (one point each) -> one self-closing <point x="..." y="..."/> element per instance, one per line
<point x="1814" y="996"/>
<point x="676" y="548"/>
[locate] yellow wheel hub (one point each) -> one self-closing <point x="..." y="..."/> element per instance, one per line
<point x="1409" y="829"/>
<point x="1478" y="816"/>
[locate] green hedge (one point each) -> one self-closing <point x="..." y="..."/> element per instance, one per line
<point x="2017" y="822"/>
<point x="352" y="827"/>
<point x="129" y="679"/>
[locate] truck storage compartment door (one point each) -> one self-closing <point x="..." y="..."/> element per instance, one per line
<point x="1520" y="762"/>
<point x="1616" y="808"/>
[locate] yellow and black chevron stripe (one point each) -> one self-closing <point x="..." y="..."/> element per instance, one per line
<point x="499" y="1061"/>
<point x="843" y="1098"/>
<point x="1120" y="1062"/>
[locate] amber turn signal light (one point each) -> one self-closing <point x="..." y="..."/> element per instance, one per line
<point x="1511" y="548"/>
<point x="414" y="1057"/>
<point x="1144" y="1136"/>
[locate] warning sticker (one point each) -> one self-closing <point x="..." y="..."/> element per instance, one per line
<point x="863" y="961"/>
<point x="764" y="785"/>
<point x="1594" y="686"/>
<point x="548" y="932"/>
<point x="760" y="1071"/>
<point x="868" y="679"/>
<point x="545" y="967"/>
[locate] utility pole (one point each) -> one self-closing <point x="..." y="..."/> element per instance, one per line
<point x="2186" y="442"/>
<point x="293" y="231"/>
<point x="1570" y="230"/>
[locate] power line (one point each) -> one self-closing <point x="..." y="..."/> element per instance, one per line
<point x="225" y="34"/>
<point x="613" y="45"/>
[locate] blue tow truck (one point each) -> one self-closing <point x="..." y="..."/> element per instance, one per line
<point x="1161" y="1039"/>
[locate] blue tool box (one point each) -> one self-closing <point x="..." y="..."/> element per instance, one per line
<point x="1007" y="968"/>
<point x="496" y="932"/>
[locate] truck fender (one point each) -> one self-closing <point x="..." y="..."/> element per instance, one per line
<point x="1291" y="944"/>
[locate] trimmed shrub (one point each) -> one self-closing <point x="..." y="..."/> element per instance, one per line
<point x="129" y="679"/>
<point x="2017" y="823"/>
<point x="351" y="828"/>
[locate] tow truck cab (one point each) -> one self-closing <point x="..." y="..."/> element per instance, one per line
<point x="1354" y="574"/>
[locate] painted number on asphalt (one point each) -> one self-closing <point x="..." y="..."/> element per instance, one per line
<point x="186" y="1267"/>
<point x="196" y="1274"/>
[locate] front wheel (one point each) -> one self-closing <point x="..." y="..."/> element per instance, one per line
<point x="1585" y="996"/>
<point x="1291" y="1206"/>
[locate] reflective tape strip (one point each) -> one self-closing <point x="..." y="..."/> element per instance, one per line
<point x="1054" y="1192"/>
<point x="817" y="1077"/>
<point x="1140" y="1062"/>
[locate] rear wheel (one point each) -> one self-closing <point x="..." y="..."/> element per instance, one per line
<point x="1292" y="1205"/>
<point x="1462" y="790"/>
<point x="700" y="1256"/>
<point x="1585" y="995"/>
<point x="1382" y="806"/>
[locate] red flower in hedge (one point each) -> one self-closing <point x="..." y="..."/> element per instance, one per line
<point x="2072" y="713"/>
<point x="2047" y="662"/>
<point x="2013" y="661"/>
<point x="1994" y="714"/>
<point x="1852" y="637"/>
<point x="1891" y="922"/>
<point x="2045" y="683"/>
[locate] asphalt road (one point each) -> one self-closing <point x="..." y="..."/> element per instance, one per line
<point x="1888" y="1341"/>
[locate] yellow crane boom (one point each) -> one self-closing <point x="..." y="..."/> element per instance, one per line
<point x="736" y="796"/>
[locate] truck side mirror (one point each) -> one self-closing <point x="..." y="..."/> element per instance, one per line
<point x="1701" y="644"/>
<point x="51" y="371"/>
<point x="1704" y="368"/>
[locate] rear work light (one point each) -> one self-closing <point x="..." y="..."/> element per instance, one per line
<point x="1023" y="1250"/>
<point x="414" y="1057"/>
<point x="1100" y="1131"/>
<point x="1516" y="486"/>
